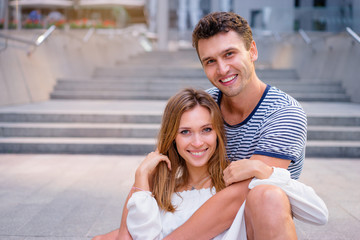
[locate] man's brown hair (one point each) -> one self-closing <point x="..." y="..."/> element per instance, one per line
<point x="217" y="22"/>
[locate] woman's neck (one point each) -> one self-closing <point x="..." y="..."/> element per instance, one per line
<point x="197" y="179"/>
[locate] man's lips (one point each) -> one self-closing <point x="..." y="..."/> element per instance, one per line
<point x="228" y="79"/>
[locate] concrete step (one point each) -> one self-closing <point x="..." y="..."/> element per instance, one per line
<point x="137" y="118"/>
<point x="322" y="97"/>
<point x="167" y="93"/>
<point x="333" y="149"/>
<point x="79" y="130"/>
<point x="72" y="117"/>
<point x="141" y="71"/>
<point x="139" y="146"/>
<point x="106" y="130"/>
<point x="184" y="72"/>
<point x="338" y="133"/>
<point x="148" y="84"/>
<point x="155" y="84"/>
<point x="333" y="120"/>
<point x="113" y="95"/>
<point x="126" y="146"/>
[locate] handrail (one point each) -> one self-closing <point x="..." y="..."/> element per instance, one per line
<point x="39" y="40"/>
<point x="353" y="34"/>
<point x="304" y="36"/>
<point x="45" y="35"/>
<point x="89" y="34"/>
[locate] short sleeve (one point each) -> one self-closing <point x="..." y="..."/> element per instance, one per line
<point x="283" y="134"/>
<point x="143" y="220"/>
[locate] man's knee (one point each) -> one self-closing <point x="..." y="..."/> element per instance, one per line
<point x="267" y="200"/>
<point x="268" y="214"/>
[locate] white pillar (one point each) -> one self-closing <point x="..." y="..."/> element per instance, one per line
<point x="215" y="6"/>
<point x="356" y="16"/>
<point x="6" y="14"/>
<point x="163" y="24"/>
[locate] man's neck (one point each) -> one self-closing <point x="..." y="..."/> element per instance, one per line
<point x="237" y="109"/>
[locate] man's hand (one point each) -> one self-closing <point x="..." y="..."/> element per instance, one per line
<point x="258" y="166"/>
<point x="244" y="169"/>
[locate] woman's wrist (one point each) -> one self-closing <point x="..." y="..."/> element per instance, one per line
<point x="142" y="180"/>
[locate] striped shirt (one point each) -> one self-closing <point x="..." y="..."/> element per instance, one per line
<point x="277" y="128"/>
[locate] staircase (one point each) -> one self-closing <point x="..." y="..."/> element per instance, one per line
<point x="160" y="83"/>
<point x="118" y="110"/>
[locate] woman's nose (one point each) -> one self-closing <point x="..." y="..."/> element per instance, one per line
<point x="197" y="140"/>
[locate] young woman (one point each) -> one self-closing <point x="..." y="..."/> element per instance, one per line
<point x="187" y="168"/>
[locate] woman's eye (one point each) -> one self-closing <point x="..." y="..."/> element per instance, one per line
<point x="184" y="132"/>
<point x="207" y="129"/>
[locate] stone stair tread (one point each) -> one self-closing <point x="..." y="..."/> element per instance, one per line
<point x="164" y="95"/>
<point x="334" y="128"/>
<point x="121" y="107"/>
<point x="325" y="143"/>
<point x="142" y="125"/>
<point x="72" y="140"/>
<point x="80" y="125"/>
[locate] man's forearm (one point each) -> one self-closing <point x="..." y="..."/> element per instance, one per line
<point x="214" y="216"/>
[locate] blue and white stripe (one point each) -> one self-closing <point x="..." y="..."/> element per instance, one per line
<point x="277" y="128"/>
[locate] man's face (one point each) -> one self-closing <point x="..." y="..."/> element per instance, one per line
<point x="227" y="63"/>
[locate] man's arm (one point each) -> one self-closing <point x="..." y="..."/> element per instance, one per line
<point x="217" y="214"/>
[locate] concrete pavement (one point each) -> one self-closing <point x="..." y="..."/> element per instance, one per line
<point x="74" y="197"/>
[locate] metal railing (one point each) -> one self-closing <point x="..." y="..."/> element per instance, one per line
<point x="304" y="36"/>
<point x="39" y="40"/>
<point x="353" y="34"/>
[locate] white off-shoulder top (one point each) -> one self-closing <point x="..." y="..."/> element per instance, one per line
<point x="146" y="221"/>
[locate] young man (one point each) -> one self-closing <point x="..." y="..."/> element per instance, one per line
<point x="265" y="128"/>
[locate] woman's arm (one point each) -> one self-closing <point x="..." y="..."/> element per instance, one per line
<point x="143" y="217"/>
<point x="218" y="212"/>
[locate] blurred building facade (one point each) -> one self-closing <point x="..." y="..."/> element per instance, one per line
<point x="263" y="15"/>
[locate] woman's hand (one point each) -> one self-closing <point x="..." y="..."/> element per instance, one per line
<point x="147" y="167"/>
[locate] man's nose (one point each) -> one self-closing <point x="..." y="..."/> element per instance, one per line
<point x="223" y="68"/>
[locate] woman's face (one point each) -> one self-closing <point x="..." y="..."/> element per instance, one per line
<point x="196" y="138"/>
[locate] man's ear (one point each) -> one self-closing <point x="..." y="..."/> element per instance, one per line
<point x="253" y="51"/>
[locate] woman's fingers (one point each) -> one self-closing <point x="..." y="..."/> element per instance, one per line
<point x="164" y="158"/>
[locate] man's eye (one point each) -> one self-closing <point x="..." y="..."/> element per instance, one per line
<point x="229" y="54"/>
<point x="209" y="61"/>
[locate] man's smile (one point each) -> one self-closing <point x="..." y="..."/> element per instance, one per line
<point x="229" y="79"/>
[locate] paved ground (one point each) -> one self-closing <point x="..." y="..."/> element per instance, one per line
<point x="73" y="197"/>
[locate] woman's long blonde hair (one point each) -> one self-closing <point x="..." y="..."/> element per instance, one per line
<point x="164" y="182"/>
